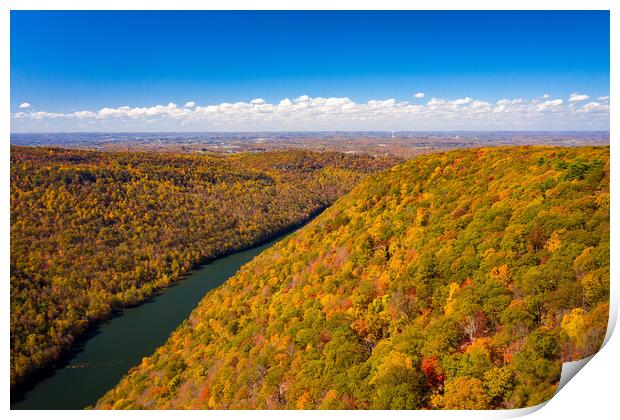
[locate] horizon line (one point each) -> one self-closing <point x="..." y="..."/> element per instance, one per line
<point x="309" y="131"/>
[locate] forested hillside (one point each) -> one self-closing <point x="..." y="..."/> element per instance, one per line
<point x="456" y="280"/>
<point x="92" y="231"/>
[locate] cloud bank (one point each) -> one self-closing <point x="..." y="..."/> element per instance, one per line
<point x="336" y="113"/>
<point x="578" y="97"/>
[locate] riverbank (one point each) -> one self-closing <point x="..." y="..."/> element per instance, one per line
<point x="101" y="357"/>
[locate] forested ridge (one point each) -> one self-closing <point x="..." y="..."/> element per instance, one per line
<point x="454" y="280"/>
<point x="93" y="231"/>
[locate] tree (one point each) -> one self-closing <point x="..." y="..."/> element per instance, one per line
<point x="466" y="394"/>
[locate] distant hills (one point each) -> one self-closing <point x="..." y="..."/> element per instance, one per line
<point x="400" y="143"/>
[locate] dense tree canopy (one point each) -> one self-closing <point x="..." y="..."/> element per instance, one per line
<point x="459" y="280"/>
<point x="94" y="231"/>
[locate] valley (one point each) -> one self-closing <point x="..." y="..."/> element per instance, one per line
<point x="94" y="232"/>
<point x="458" y="280"/>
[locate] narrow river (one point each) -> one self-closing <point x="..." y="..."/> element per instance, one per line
<point x="99" y="361"/>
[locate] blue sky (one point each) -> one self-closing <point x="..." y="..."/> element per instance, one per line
<point x="68" y="62"/>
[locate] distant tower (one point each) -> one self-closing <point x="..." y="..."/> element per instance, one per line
<point x="393" y="134"/>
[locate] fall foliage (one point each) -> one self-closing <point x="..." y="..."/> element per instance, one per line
<point x="92" y="232"/>
<point x="459" y="280"/>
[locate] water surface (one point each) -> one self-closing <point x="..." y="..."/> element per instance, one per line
<point x="99" y="360"/>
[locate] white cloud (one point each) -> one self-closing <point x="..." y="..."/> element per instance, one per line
<point x="434" y="102"/>
<point x="190" y="104"/>
<point x="333" y="113"/>
<point x="593" y="107"/>
<point x="577" y="97"/>
<point x="24" y="105"/>
<point x="462" y="101"/>
<point x="42" y="115"/>
<point x="285" y="103"/>
<point x="84" y="114"/>
<point x="510" y="101"/>
<point x="549" y="105"/>
<point x="419" y="95"/>
<point x="545" y="96"/>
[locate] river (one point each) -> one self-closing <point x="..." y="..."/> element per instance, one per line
<point x="99" y="360"/>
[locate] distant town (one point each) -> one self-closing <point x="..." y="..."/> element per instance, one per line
<point x="376" y="143"/>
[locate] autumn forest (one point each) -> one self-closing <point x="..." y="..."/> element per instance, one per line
<point x="93" y="232"/>
<point x="454" y="280"/>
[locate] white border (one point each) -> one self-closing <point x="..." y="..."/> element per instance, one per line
<point x="591" y="395"/>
